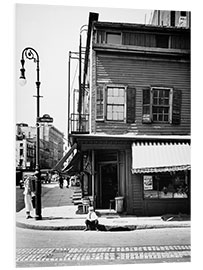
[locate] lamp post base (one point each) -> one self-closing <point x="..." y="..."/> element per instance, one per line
<point x="38" y="217"/>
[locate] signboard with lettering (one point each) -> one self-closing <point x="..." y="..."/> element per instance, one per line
<point x="45" y="119"/>
<point x="148" y="182"/>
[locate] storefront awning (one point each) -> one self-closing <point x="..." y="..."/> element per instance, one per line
<point x="59" y="166"/>
<point x="73" y="166"/>
<point x="160" y="157"/>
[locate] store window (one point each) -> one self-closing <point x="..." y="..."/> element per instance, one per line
<point x="166" y="186"/>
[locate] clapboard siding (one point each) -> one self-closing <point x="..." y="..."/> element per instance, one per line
<point x="137" y="197"/>
<point x="140" y="73"/>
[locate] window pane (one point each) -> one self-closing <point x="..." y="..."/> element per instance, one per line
<point x="166" y="118"/>
<point x="113" y="38"/>
<point x="115" y="103"/>
<point x="146" y="109"/>
<point x="160" y="109"/>
<point x="146" y="96"/>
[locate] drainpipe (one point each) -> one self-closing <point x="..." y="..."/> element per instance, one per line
<point x="80" y="88"/>
<point x="69" y="97"/>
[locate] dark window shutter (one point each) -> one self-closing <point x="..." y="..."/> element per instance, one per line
<point x="176" y="107"/>
<point x="146" y="106"/>
<point x="130" y="114"/>
<point x="100" y="102"/>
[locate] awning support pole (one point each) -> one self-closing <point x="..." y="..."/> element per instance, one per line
<point x="93" y="176"/>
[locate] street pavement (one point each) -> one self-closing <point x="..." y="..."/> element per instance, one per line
<point x="59" y="213"/>
<point x="106" y="255"/>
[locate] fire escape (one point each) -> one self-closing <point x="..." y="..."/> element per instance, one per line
<point x="78" y="117"/>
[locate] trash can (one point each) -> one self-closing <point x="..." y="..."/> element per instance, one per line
<point x="119" y="204"/>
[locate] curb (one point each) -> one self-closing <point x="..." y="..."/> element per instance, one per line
<point x="108" y="227"/>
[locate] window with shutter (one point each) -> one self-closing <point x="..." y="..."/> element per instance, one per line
<point x="162" y="105"/>
<point x="115" y="103"/>
<point x="111" y="103"/>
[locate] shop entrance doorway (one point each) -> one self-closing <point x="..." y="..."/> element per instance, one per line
<point x="108" y="184"/>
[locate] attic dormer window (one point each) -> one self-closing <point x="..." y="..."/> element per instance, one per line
<point x="183" y="13"/>
<point x="113" y="38"/>
<point x="162" y="41"/>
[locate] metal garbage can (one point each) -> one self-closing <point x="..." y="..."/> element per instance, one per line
<point x="119" y="204"/>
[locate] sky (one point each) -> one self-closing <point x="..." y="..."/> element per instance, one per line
<point x="53" y="31"/>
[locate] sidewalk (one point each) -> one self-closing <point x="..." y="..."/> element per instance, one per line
<point x="59" y="213"/>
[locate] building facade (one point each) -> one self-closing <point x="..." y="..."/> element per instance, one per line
<point x="136" y="142"/>
<point x="25" y="153"/>
<point x="51" y="146"/>
<point x="171" y="18"/>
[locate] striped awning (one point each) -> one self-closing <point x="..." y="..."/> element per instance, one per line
<point x="73" y="167"/>
<point x="59" y="166"/>
<point x="160" y="157"/>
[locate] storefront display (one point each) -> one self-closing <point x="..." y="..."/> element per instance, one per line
<point x="166" y="186"/>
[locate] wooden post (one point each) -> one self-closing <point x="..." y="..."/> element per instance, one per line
<point x="93" y="178"/>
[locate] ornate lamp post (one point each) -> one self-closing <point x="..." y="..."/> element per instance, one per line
<point x="31" y="54"/>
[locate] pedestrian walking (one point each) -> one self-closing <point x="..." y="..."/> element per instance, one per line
<point x="60" y="181"/>
<point x="91" y="220"/>
<point x="28" y="194"/>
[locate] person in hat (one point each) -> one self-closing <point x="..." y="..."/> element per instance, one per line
<point x="28" y="194"/>
<point x="91" y="221"/>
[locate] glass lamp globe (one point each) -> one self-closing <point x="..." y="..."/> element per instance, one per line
<point x="22" y="81"/>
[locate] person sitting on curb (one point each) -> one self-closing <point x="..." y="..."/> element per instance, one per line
<point x="91" y="220"/>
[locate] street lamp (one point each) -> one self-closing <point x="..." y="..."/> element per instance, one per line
<point x="31" y="54"/>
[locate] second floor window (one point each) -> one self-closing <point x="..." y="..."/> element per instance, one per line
<point x="113" y="38"/>
<point x="161" y="105"/>
<point x="115" y="103"/>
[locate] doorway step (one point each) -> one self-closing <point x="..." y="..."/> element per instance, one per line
<point x="107" y="213"/>
<point x="77" y="196"/>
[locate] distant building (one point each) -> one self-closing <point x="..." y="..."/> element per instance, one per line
<point x="51" y="146"/>
<point x="52" y="143"/>
<point x="171" y="18"/>
<point x="25" y="153"/>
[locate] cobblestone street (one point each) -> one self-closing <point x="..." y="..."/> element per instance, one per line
<point x="105" y="254"/>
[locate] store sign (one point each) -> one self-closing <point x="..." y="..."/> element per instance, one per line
<point x="148" y="183"/>
<point x="45" y="119"/>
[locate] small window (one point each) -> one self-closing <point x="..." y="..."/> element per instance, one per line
<point x="183" y="13"/>
<point x="113" y="38"/>
<point x="162" y="41"/>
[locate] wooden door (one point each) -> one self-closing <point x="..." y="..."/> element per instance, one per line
<point x="108" y="183"/>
